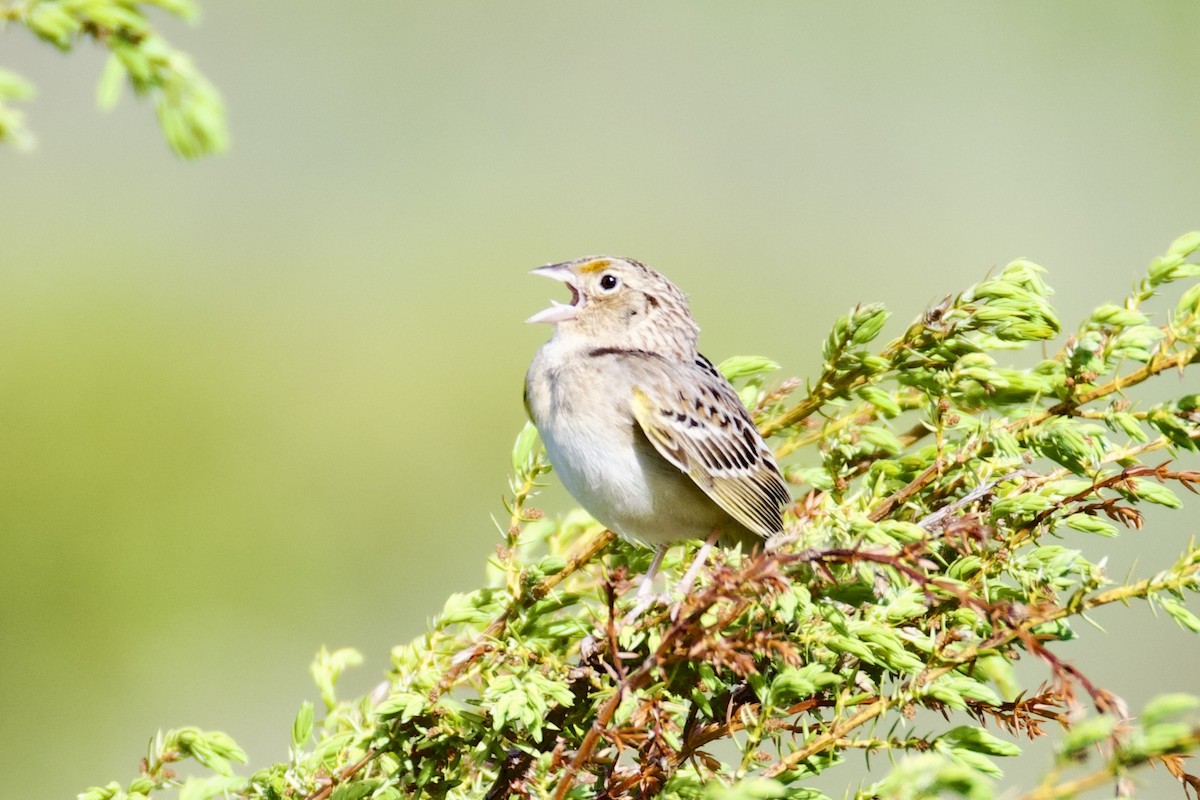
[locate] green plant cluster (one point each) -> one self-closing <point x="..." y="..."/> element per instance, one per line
<point x="189" y="108"/>
<point x="947" y="500"/>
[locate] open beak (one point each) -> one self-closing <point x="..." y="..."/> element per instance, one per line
<point x="557" y="312"/>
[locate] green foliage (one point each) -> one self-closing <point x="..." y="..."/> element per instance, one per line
<point x="940" y="532"/>
<point x="12" y="121"/>
<point x="188" y="106"/>
<point x="211" y="749"/>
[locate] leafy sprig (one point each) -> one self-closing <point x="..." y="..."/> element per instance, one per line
<point x="189" y="108"/>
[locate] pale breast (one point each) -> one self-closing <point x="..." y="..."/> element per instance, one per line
<point x="583" y="412"/>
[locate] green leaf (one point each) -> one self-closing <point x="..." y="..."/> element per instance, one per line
<point x="213" y="749"/>
<point x="999" y="670"/>
<point x="1077" y="446"/>
<point x="889" y="648"/>
<point x="354" y="790"/>
<point x="964" y="568"/>
<point x="195" y="788"/>
<point x="106" y="792"/>
<point x="1185" y="245"/>
<point x="1175" y="429"/>
<point x="1189" y="303"/>
<point x="977" y="761"/>
<point x="794" y="683"/>
<point x="816" y="477"/>
<point x="738" y="367"/>
<point x="327" y="667"/>
<point x="53" y="23"/>
<point x="905" y="532"/>
<point x="523" y="450"/>
<point x="853" y="646"/>
<point x="1153" y="492"/>
<point x="1179" y="612"/>
<point x="1124" y="421"/>
<point x="881" y="439"/>
<point x="908" y="605"/>
<point x="1084" y="734"/>
<point x="14" y="87"/>
<point x="1021" y="505"/>
<point x="1109" y="314"/>
<point x="1171" y="267"/>
<point x="1167" y="705"/>
<point x="954" y="690"/>
<point x="745" y="789"/>
<point x="1090" y="524"/>
<point x="883" y="401"/>
<point x="967" y="737"/>
<point x="108" y="90"/>
<point x="117" y="17"/>
<point x="403" y="704"/>
<point x="866" y="322"/>
<point x="931" y="776"/>
<point x="302" y="726"/>
<point x="1138" y="343"/>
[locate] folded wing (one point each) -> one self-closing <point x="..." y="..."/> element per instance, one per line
<point x="705" y="431"/>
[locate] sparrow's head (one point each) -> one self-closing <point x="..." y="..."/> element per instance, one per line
<point x="621" y="303"/>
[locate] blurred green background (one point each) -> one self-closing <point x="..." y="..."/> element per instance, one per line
<point x="261" y="403"/>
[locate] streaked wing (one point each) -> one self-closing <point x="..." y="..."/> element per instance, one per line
<point x="696" y="421"/>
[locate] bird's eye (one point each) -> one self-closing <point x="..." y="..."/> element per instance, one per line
<point x="609" y="282"/>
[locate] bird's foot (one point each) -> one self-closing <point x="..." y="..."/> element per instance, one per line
<point x="646" y="597"/>
<point x="689" y="577"/>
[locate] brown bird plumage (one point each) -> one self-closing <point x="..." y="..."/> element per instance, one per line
<point x="642" y="430"/>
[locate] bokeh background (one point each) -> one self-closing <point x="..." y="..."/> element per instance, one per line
<point x="261" y="403"/>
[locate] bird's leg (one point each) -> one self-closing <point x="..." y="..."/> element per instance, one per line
<point x="645" y="592"/>
<point x="689" y="577"/>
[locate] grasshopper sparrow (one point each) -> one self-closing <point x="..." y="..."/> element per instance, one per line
<point x="642" y="430"/>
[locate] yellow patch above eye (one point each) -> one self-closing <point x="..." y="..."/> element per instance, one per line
<point x="595" y="266"/>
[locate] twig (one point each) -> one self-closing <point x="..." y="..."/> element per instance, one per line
<point x="344" y="774"/>
<point x="864" y="715"/>
<point x="937" y="517"/>
<point x="1159" y="363"/>
<point x="680" y="633"/>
